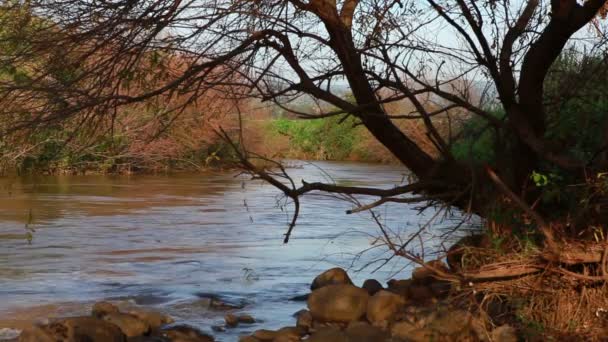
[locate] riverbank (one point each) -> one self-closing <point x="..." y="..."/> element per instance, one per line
<point x="418" y="309"/>
<point x="279" y="138"/>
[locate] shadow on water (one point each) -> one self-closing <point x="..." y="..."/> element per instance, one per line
<point x="179" y="243"/>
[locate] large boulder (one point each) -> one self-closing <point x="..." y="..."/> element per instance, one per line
<point x="338" y="303"/>
<point x="383" y="306"/>
<point x="332" y="276"/>
<point x="74" y="329"/>
<point x="130" y="325"/>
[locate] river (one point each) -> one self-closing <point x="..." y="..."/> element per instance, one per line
<point x="169" y="242"/>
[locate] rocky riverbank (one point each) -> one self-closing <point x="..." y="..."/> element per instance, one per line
<point x="415" y="309"/>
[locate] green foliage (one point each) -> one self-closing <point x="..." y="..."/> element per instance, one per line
<point x="576" y="94"/>
<point x="330" y="138"/>
<point x="477" y="141"/>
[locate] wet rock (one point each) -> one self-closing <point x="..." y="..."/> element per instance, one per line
<point x="74" y="329"/>
<point x="372" y="286"/>
<point x="504" y="333"/>
<point x="154" y="319"/>
<point x="334" y="276"/>
<point x="304" y="320"/>
<point x="246" y="319"/>
<point x="185" y="333"/>
<point x="101" y="309"/>
<point x="218" y="304"/>
<point x="214" y="302"/>
<point x="364" y="332"/>
<point x="300" y="298"/>
<point x="340" y="303"/>
<point x="130" y="325"/>
<point x="231" y="320"/>
<point x="383" y="305"/>
<point x="218" y="328"/>
<point x="328" y="334"/>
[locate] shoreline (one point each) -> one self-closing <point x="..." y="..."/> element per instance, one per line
<point x="414" y="309"/>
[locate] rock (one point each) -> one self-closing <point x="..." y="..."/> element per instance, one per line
<point x="338" y="303"/>
<point x="154" y="319"/>
<point x="300" y="298"/>
<point x="246" y="319"/>
<point x="148" y="339"/>
<point x="74" y="329"/>
<point x="420" y="294"/>
<point x="286" y="334"/>
<point x="218" y="304"/>
<point x="440" y="289"/>
<point x="218" y="328"/>
<point x="400" y="287"/>
<point x="383" y="305"/>
<point x="248" y="338"/>
<point x="334" y="276"/>
<point x="264" y="334"/>
<point x="364" y="332"/>
<point x="304" y="320"/>
<point x="451" y="323"/>
<point x="185" y="333"/>
<point x="372" y="286"/>
<point x="504" y="333"/>
<point x="287" y="338"/>
<point x="409" y="332"/>
<point x="231" y="320"/>
<point x="36" y="334"/>
<point x="328" y="334"/>
<point x="101" y="309"/>
<point x="130" y="325"/>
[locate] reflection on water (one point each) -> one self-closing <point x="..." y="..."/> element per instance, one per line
<point x="170" y="241"/>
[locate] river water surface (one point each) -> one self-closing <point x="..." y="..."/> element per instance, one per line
<point x="173" y="242"/>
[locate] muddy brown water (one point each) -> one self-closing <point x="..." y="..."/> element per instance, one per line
<point x="173" y="242"/>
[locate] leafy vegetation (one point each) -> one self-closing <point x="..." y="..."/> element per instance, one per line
<point x="326" y="139"/>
